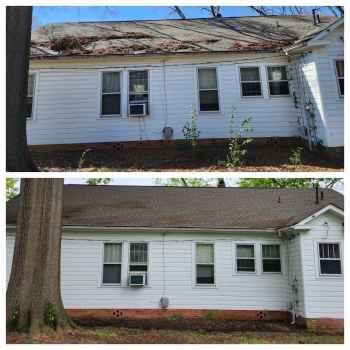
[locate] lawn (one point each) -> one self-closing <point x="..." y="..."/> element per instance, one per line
<point x="259" y="158"/>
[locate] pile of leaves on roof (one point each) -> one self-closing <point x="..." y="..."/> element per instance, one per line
<point x="172" y="46"/>
<point x="118" y="49"/>
<point x="263" y="45"/>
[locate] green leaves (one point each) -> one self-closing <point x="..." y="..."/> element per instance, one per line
<point x="98" y="181"/>
<point x="11" y="190"/>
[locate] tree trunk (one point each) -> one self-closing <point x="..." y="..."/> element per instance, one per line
<point x="33" y="298"/>
<point x="18" y="30"/>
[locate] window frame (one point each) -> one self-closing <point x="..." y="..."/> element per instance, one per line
<point x="338" y="98"/>
<point x="143" y="92"/>
<point x="102" y="251"/>
<point x="280" y="258"/>
<point x="337" y="77"/>
<point x="217" y="89"/>
<point x="137" y="264"/>
<point x="319" y="259"/>
<point x="35" y="96"/>
<point x="111" y="93"/>
<point x="268" y="81"/>
<point x="236" y="257"/>
<point x="260" y="81"/>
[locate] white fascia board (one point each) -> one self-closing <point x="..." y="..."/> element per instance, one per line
<point x="330" y="207"/>
<point x="327" y="30"/>
<point x="318" y="43"/>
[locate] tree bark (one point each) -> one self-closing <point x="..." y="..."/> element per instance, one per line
<point x="33" y="298"/>
<point x="18" y="31"/>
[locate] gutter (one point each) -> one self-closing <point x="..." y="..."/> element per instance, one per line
<point x="60" y="57"/>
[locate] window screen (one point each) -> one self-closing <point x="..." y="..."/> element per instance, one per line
<point x="245" y="258"/>
<point x="271" y="258"/>
<point x="208" y="90"/>
<point x="205" y="263"/>
<point x="250" y="81"/>
<point x="112" y="259"/>
<point x="111" y="93"/>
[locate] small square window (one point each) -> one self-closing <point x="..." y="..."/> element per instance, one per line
<point x="245" y="258"/>
<point x="250" y="81"/>
<point x="330" y="262"/>
<point x="278" y="81"/>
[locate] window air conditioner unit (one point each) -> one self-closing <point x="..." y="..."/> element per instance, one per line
<point x="137" y="109"/>
<point x="137" y="279"/>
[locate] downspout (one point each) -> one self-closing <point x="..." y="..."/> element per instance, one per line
<point x="296" y="61"/>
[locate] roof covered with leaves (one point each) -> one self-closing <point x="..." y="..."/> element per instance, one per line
<point x="231" y="34"/>
<point x="186" y="207"/>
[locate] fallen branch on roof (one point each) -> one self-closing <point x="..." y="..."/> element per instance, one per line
<point x="263" y="45"/>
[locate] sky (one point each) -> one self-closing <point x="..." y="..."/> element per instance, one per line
<point x="51" y="14"/>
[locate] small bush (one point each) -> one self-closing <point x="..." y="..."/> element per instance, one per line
<point x="209" y="316"/>
<point x="113" y="335"/>
<point x="202" y="331"/>
<point x="175" y="317"/>
<point x="296" y="159"/>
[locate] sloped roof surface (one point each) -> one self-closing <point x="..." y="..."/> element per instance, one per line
<point x="136" y="206"/>
<point x="228" y="30"/>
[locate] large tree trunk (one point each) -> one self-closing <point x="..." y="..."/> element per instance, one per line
<point x="18" y="30"/>
<point x="33" y="298"/>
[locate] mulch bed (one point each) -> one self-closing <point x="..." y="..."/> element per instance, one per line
<point x="259" y="158"/>
<point x="190" y="324"/>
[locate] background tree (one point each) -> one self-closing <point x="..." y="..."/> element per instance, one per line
<point x="11" y="190"/>
<point x="98" y="181"/>
<point x="35" y="23"/>
<point x="33" y="298"/>
<point x="336" y="11"/>
<point x="18" y="31"/>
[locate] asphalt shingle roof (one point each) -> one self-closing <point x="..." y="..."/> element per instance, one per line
<point x="228" y="30"/>
<point x="230" y="207"/>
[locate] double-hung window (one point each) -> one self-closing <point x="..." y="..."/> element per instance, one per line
<point x="330" y="261"/>
<point x="112" y="263"/>
<point x="30" y="96"/>
<point x="339" y="68"/>
<point x="271" y="258"/>
<point x="250" y="81"/>
<point x="208" y="90"/>
<point x="111" y="94"/>
<point x="278" y="81"/>
<point x="245" y="258"/>
<point x="138" y="265"/>
<point x="205" y="264"/>
<point x="139" y="89"/>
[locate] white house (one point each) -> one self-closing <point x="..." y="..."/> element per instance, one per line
<point x="111" y="84"/>
<point x="262" y="253"/>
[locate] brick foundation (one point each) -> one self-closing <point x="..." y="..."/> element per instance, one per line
<point x="281" y="141"/>
<point x="165" y="313"/>
<point x="317" y="323"/>
<point x="331" y="152"/>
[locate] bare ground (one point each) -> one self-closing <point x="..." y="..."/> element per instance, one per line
<point x="186" y="331"/>
<point x="260" y="158"/>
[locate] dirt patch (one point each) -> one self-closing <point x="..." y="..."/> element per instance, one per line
<point x="260" y="158"/>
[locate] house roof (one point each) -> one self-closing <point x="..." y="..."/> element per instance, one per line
<point x="186" y="207"/>
<point x="228" y="30"/>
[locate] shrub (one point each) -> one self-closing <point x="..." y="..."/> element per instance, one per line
<point x="175" y="317"/>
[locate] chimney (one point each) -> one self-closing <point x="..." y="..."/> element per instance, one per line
<point x="318" y="19"/>
<point x="317" y="195"/>
<point x="313" y="17"/>
<point x="322" y="199"/>
<point x="221" y="183"/>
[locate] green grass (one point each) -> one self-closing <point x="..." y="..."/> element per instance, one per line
<point x="29" y="342"/>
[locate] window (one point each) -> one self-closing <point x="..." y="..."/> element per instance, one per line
<point x="339" y="67"/>
<point x="278" y="81"/>
<point x="138" y="257"/>
<point x="271" y="258"/>
<point x="250" y="81"/>
<point x="205" y="264"/>
<point x="112" y="263"/>
<point x="30" y="96"/>
<point x="138" y="87"/>
<point x="245" y="258"/>
<point x="330" y="263"/>
<point x="111" y="94"/>
<point x="208" y="90"/>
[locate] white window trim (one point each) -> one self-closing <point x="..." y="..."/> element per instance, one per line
<point x="268" y="81"/>
<point x="148" y="277"/>
<point x="35" y="97"/>
<point x="150" y="95"/>
<point x="194" y="267"/>
<point x="332" y="60"/>
<point x="101" y="263"/>
<point x="263" y="81"/>
<point x="234" y="257"/>
<point x="317" y="259"/>
<point x="196" y="84"/>
<point x="281" y="259"/>
<point x="99" y="104"/>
